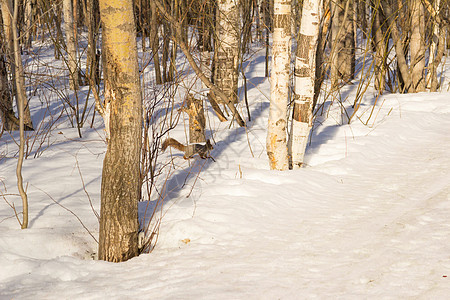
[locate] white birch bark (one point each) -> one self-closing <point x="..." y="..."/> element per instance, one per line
<point x="70" y="42"/>
<point x="304" y="76"/>
<point x="227" y="48"/>
<point x="279" y="86"/>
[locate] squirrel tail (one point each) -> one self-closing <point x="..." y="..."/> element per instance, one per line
<point x="173" y="143"/>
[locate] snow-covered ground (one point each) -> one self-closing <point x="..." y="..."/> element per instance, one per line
<point x="368" y="217"/>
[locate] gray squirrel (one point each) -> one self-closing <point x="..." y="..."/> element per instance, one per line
<point x="189" y="150"/>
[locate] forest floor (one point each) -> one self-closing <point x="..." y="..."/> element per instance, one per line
<point x="367" y="217"/>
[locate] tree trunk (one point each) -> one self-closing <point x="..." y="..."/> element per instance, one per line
<point x="21" y="100"/>
<point x="92" y="61"/>
<point x="9" y="38"/>
<point x="305" y="70"/>
<point x="379" y="40"/>
<point x="227" y="48"/>
<point x="6" y="103"/>
<point x="417" y="46"/>
<point x="71" y="46"/>
<point x="343" y="43"/>
<point x="28" y="16"/>
<point x="279" y="86"/>
<point x="435" y="37"/>
<point x="154" y="42"/>
<point x="120" y="192"/>
<point x="194" y="108"/>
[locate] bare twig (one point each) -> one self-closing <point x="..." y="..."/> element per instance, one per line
<point x="79" y="220"/>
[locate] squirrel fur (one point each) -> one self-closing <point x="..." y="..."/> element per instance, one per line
<point x="189" y="150"/>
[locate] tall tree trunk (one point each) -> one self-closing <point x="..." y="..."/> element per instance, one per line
<point x="343" y="43"/>
<point x="120" y="192"/>
<point x="154" y="42"/>
<point x="417" y="46"/>
<point x="279" y="86"/>
<point x="227" y="48"/>
<point x="21" y="100"/>
<point x="28" y="15"/>
<point x="379" y="40"/>
<point x="305" y="70"/>
<point x="435" y="37"/>
<point x="347" y="56"/>
<point x="173" y="55"/>
<point x="9" y="30"/>
<point x="92" y="62"/>
<point x="6" y="103"/>
<point x="70" y="43"/>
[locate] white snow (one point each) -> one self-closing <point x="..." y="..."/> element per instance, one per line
<point x="368" y="217"/>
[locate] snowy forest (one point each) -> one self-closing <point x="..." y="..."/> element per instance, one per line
<point x="224" y="149"/>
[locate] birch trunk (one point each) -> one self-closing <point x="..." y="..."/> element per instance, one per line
<point x="304" y="76"/>
<point x="227" y="49"/>
<point x="279" y="86"/>
<point x="121" y="186"/>
<point x="70" y="43"/>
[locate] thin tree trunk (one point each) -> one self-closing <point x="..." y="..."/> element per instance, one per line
<point x="92" y="57"/>
<point x="121" y="183"/>
<point x="28" y="22"/>
<point x="305" y="70"/>
<point x="21" y="100"/>
<point x="379" y="40"/>
<point x="154" y="43"/>
<point x="173" y="55"/>
<point x="70" y="43"/>
<point x="435" y="36"/>
<point x="279" y="86"/>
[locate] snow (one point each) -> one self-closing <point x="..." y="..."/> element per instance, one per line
<point x="366" y="218"/>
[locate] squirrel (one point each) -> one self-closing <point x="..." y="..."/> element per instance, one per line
<point x="189" y="150"/>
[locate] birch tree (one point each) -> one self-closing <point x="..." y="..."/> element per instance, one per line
<point x="227" y="48"/>
<point x="304" y="76"/>
<point x="279" y="86"/>
<point x="120" y="190"/>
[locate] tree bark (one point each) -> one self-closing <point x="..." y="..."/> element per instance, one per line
<point x="154" y="42"/>
<point x="305" y="70"/>
<point x="417" y="47"/>
<point x="6" y="103"/>
<point x="279" y="86"/>
<point x="7" y="11"/>
<point x="21" y="100"/>
<point x="379" y="40"/>
<point x="71" y="46"/>
<point x="227" y="48"/>
<point x="120" y="192"/>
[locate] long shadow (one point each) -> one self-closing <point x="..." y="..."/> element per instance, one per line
<point x="58" y="202"/>
<point x="175" y="184"/>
